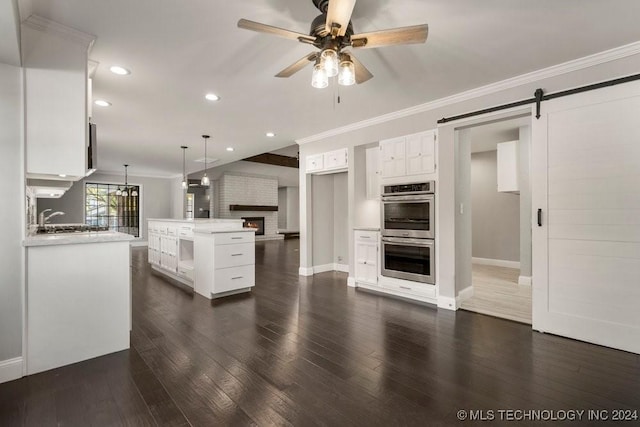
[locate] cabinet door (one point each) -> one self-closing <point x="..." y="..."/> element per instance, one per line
<point x="314" y="163"/>
<point x="393" y="157"/>
<point x="421" y="153"/>
<point x="366" y="267"/>
<point x="335" y="159"/>
<point x="372" y="161"/>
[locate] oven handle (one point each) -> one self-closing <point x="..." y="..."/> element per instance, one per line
<point x="417" y="198"/>
<point x="407" y="242"/>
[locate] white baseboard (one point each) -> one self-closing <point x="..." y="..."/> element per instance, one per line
<point x="464" y="294"/>
<point x="351" y="281"/>
<point x="496" y="262"/>
<point x="323" y="268"/>
<point x="137" y="243"/>
<point x="10" y="369"/>
<point x="304" y="271"/>
<point x="341" y="267"/>
<point x="524" y="280"/>
<point x="447" y="303"/>
<point x="330" y="267"/>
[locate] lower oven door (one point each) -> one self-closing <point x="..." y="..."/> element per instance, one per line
<point x="409" y="259"/>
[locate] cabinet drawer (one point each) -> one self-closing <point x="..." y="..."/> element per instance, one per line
<point x="234" y="255"/>
<point x="366" y="236"/>
<point x="230" y="279"/>
<point x="171" y="231"/>
<point x="185" y="231"/>
<point x="416" y="288"/>
<point x="234" y="238"/>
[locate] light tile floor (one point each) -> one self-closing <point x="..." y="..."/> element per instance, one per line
<point x="497" y="293"/>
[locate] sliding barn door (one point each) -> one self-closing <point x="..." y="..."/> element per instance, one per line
<point x="586" y="181"/>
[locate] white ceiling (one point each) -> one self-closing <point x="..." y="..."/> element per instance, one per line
<point x="180" y="50"/>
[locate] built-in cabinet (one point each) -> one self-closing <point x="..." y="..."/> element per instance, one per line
<point x="55" y="62"/>
<point x="408" y="155"/>
<point x="167" y="248"/>
<point x="507" y="160"/>
<point x="329" y="162"/>
<point x="366" y="256"/>
<point x="226" y="263"/>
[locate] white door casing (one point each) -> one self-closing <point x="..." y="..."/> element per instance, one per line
<point x="586" y="253"/>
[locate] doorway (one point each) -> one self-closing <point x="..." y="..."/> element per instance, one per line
<point x="496" y="186"/>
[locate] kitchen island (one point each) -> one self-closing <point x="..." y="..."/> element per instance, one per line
<point x="215" y="257"/>
<point x="78" y="297"/>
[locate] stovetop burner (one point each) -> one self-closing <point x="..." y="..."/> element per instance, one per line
<point x="69" y="228"/>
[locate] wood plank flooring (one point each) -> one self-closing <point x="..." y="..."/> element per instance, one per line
<point x="309" y="351"/>
<point x="496" y="292"/>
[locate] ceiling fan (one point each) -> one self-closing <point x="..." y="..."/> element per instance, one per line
<point x="332" y="33"/>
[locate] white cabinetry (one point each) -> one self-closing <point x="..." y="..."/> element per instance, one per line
<point x="314" y="163"/>
<point x="393" y="157"/>
<point x="56" y="91"/>
<point x="225" y="263"/>
<point x="421" y="153"/>
<point x="329" y="162"/>
<point x="166" y="249"/>
<point x="372" y="166"/>
<point x="366" y="257"/>
<point x="408" y="155"/>
<point x="508" y="167"/>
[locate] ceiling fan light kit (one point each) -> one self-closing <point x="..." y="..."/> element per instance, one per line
<point x="331" y="33"/>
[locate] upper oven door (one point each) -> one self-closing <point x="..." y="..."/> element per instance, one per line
<point x="408" y="216"/>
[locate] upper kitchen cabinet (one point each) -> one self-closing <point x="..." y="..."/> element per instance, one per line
<point x="507" y="159"/>
<point x="55" y="60"/>
<point x="408" y="155"/>
<point x="330" y="162"/>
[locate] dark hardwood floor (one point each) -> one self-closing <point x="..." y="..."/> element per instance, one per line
<point x="311" y="351"/>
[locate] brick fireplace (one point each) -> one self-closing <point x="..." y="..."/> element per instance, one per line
<point x="256" y="222"/>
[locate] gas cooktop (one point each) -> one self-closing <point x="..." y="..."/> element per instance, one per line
<point x="69" y="228"/>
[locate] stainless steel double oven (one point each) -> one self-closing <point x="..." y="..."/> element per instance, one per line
<point x="408" y="231"/>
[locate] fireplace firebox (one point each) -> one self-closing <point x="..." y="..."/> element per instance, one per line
<point x="256" y="222"/>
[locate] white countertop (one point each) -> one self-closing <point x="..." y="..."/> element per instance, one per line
<point x="76" y="238"/>
<point x="229" y="230"/>
<point x="197" y="220"/>
<point x="367" y="228"/>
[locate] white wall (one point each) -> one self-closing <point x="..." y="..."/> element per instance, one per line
<point x="293" y="209"/>
<point x="12" y="213"/>
<point x="156" y="199"/>
<point x="282" y="208"/>
<point x="495" y="215"/>
<point x="426" y="117"/>
<point x="340" y="223"/>
<point x="323" y="217"/>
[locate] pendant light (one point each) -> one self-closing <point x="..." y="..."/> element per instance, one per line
<point x="125" y="192"/>
<point x="205" y="179"/>
<point x="185" y="183"/>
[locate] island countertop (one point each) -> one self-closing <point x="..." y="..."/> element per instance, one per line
<point x="76" y="238"/>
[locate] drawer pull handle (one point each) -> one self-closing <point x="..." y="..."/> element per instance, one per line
<point x="236" y="254"/>
<point x="365" y="237"/>
<point x="405" y="287"/>
<point x="236" y="238"/>
<point x="239" y="277"/>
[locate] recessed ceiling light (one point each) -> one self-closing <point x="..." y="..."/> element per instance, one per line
<point x="212" y="97"/>
<point x="270" y="134"/>
<point x="121" y="71"/>
<point x="229" y="148"/>
<point x="102" y="103"/>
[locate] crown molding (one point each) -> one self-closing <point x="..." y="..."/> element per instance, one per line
<point x="523" y="79"/>
<point x="48" y="26"/>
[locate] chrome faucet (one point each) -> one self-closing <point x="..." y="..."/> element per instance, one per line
<point x="42" y="220"/>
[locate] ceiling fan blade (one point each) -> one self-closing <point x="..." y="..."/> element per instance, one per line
<point x="395" y="36"/>
<point x="298" y="65"/>
<point x="276" y="31"/>
<point x="339" y="12"/>
<point x="362" y="73"/>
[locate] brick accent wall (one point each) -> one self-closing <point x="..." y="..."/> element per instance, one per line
<point x="249" y="190"/>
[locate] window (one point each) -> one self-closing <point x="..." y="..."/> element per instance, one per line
<point x="106" y="209"/>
